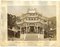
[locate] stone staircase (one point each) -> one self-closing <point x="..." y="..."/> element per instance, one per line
<point x="31" y="37"/>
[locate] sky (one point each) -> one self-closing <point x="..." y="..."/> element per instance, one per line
<point x="45" y="10"/>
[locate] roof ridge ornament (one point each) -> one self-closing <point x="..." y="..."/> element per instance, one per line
<point x="31" y="10"/>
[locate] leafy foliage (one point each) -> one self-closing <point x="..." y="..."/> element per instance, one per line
<point x="53" y="22"/>
<point x="11" y="20"/>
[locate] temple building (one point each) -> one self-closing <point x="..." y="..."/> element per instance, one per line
<point x="32" y="22"/>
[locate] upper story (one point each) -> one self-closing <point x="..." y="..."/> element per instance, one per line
<point x="32" y="16"/>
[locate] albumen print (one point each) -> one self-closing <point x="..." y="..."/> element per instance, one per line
<point x="30" y="23"/>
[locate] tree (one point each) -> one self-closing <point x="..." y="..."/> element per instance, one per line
<point x="53" y="22"/>
<point x="11" y="20"/>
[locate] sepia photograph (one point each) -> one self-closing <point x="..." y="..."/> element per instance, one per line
<point x="31" y="23"/>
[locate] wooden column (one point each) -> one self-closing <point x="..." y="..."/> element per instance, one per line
<point x="26" y="29"/>
<point x="37" y="29"/>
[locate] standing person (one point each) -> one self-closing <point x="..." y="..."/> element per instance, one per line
<point x="18" y="32"/>
<point x="17" y="35"/>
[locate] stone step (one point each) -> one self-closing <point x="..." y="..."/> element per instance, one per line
<point x="31" y="37"/>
